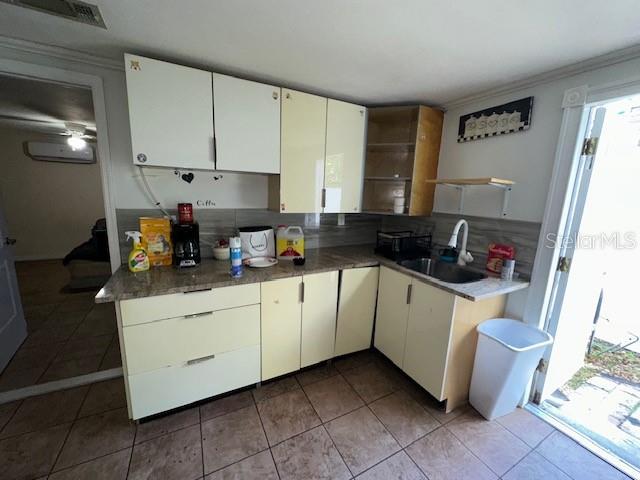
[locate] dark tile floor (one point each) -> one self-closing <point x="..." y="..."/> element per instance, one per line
<point x="68" y="334"/>
<point x="360" y="417"/>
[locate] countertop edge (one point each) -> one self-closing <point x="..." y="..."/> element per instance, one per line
<point x="461" y="290"/>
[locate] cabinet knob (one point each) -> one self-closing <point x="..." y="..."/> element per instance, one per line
<point x="275" y="95"/>
<point x="10" y="241"/>
<point x="288" y="95"/>
<point x="142" y="158"/>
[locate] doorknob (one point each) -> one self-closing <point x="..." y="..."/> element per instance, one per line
<point x="10" y="241"/>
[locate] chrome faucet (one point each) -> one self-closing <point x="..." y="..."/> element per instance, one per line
<point x="464" y="257"/>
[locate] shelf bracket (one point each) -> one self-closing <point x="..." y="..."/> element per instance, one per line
<point x="461" y="189"/>
<point x="506" y="194"/>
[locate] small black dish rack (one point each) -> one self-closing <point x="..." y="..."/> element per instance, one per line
<point x="403" y="245"/>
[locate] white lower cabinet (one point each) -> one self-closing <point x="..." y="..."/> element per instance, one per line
<point x="320" y="300"/>
<point x="428" y="332"/>
<point x="391" y="318"/>
<point x="298" y="316"/>
<point x="169" y="342"/>
<point x="356" y="309"/>
<point x="159" y="390"/>
<point x="431" y="334"/>
<point x="280" y="309"/>
<point x="210" y="345"/>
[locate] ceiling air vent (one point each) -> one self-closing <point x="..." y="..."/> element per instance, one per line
<point x="71" y="9"/>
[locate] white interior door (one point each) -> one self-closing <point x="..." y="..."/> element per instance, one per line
<point x="13" y="328"/>
<point x="574" y="295"/>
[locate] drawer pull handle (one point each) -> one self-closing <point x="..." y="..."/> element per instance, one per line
<point x="196" y="315"/>
<point x="200" y="360"/>
<point x="197" y="291"/>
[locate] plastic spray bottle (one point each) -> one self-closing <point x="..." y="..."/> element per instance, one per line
<point x="138" y="258"/>
<point x="235" y="247"/>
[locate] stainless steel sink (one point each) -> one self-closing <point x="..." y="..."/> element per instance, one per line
<point x="447" y="272"/>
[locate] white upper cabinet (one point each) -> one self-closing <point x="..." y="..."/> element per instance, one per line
<point x="170" y="113"/>
<point x="304" y="121"/>
<point x="247" y="125"/>
<point x="344" y="164"/>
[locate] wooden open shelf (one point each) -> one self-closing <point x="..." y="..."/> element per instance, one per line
<point x="389" y="179"/>
<point x="461" y="185"/>
<point x="403" y="145"/>
<point x="472" y="181"/>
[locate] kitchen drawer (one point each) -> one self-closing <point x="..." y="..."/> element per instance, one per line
<point x="169" y="342"/>
<point x="171" y="387"/>
<point x="148" y="309"/>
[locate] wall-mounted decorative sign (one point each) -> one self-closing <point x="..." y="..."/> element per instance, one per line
<point x="507" y="118"/>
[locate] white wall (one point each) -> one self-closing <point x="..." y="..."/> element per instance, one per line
<point x="49" y="207"/>
<point x="525" y="157"/>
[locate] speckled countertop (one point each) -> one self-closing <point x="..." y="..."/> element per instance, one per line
<point x="214" y="273"/>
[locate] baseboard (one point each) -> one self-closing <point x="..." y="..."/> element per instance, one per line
<point x="65" y="384"/>
<point x="35" y="258"/>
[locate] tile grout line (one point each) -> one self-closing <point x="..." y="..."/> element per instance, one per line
<point x="472" y="452"/>
<point x="155" y="437"/>
<point x="556" y="465"/>
<point x="9" y="420"/>
<point x="516" y="464"/>
<point x="88" y="461"/>
<point x="275" y="464"/>
<point x="411" y="458"/>
<point x="322" y="424"/>
<point x="201" y="440"/>
<point x="62" y="422"/>
<point x="99" y="456"/>
<point x="104" y="355"/>
<point x="66" y="437"/>
<point x="65" y="342"/>
<point x="133" y="445"/>
<point x="57" y="305"/>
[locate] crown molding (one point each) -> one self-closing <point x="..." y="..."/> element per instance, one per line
<point x="611" y="58"/>
<point x="60" y="52"/>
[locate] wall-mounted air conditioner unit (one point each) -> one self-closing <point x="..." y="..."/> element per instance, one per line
<point x="59" y="152"/>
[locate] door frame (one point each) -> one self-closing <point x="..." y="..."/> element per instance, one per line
<point x="576" y="105"/>
<point x="93" y="82"/>
<point x="595" y="116"/>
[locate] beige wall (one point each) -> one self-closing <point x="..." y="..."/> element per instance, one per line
<point x="49" y="207"/>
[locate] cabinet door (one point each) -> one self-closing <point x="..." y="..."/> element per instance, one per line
<point x="319" y="307"/>
<point x="170" y="114"/>
<point x="304" y="121"/>
<point x="428" y="333"/>
<point x="344" y="161"/>
<point x="247" y="125"/>
<point x="280" y="313"/>
<point x="391" y="317"/>
<point x="357" y="309"/>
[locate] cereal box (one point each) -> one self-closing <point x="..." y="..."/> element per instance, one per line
<point x="156" y="238"/>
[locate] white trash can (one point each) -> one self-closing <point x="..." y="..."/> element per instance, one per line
<point x="507" y="355"/>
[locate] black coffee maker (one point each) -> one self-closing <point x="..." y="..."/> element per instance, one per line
<point x="186" y="244"/>
<point x="186" y="238"/>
